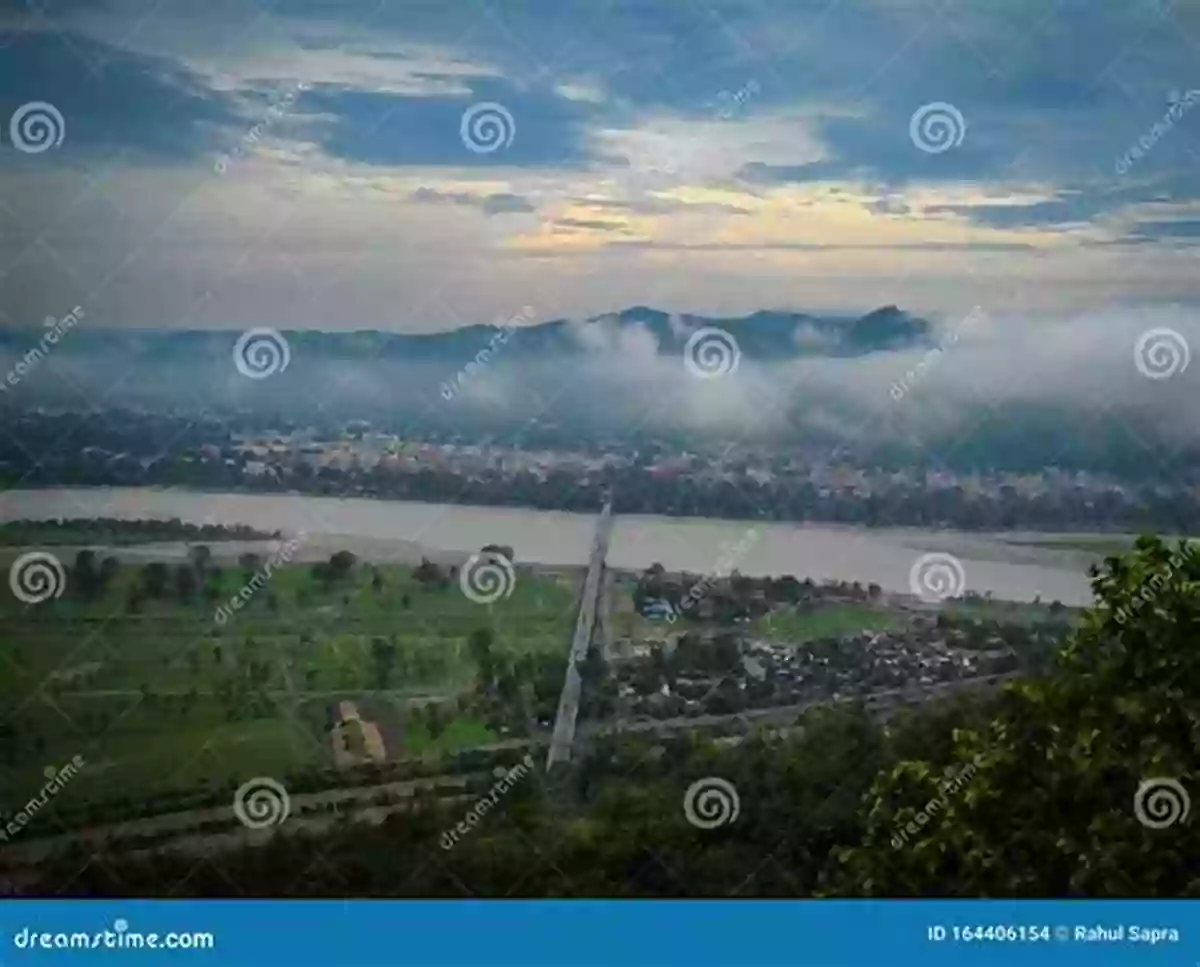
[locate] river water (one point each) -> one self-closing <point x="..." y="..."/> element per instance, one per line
<point x="1007" y="565"/>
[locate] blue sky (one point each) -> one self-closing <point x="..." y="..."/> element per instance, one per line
<point x="304" y="163"/>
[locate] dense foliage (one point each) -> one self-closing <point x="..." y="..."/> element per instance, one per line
<point x="1036" y="796"/>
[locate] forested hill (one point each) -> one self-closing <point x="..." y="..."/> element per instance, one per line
<point x="764" y="335"/>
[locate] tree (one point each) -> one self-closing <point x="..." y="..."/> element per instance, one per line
<point x="1042" y="801"/>
<point x="109" y="568"/>
<point x="341" y="563"/>
<point x="155" y="576"/>
<point x="383" y="656"/>
<point x="435" y="721"/>
<point x="185" y="582"/>
<point x="84" y="575"/>
<point x="479" y="644"/>
<point x="427" y="572"/>
<point x="201" y="556"/>
<point x="502" y="550"/>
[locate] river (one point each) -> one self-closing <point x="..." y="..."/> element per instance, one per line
<point x="1011" y="566"/>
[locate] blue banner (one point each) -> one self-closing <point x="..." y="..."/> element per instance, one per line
<point x="665" y="933"/>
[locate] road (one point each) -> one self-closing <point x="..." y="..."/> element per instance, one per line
<point x="787" y="714"/>
<point x="306" y="808"/>
<point x="589" y="607"/>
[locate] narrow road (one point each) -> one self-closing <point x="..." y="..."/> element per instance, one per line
<point x="787" y="714"/>
<point x="589" y="606"/>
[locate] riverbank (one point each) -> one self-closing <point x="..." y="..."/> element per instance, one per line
<point x="403" y="532"/>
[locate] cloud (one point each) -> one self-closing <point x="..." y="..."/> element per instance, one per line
<point x="662" y="206"/>
<point x="591" y="224"/>
<point x="1174" y="229"/>
<point x="766" y="246"/>
<point x="810" y="193"/>
<point x="394" y="130"/>
<point x="495" y="204"/>
<point x="112" y="100"/>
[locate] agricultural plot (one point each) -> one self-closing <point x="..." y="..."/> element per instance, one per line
<point x="157" y="695"/>
<point x="830" y="621"/>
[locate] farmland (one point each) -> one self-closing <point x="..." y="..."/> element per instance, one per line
<point x="161" y="698"/>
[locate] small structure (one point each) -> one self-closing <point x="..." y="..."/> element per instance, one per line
<point x="657" y="608"/>
<point x="352" y="740"/>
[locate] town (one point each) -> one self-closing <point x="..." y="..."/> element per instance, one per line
<point x="652" y="477"/>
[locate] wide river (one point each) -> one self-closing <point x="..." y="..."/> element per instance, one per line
<point x="1011" y="566"/>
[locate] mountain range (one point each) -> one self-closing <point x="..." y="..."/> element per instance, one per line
<point x="766" y="335"/>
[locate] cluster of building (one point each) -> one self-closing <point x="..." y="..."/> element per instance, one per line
<point x="387" y="453"/>
<point x="917" y="660"/>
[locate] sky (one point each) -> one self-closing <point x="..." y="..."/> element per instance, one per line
<point x="415" y="165"/>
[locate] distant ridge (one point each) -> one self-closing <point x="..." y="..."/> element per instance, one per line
<point x="765" y="335"/>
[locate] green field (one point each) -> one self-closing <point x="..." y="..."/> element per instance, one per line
<point x="783" y="624"/>
<point x="163" y="697"/>
<point x="826" y="622"/>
